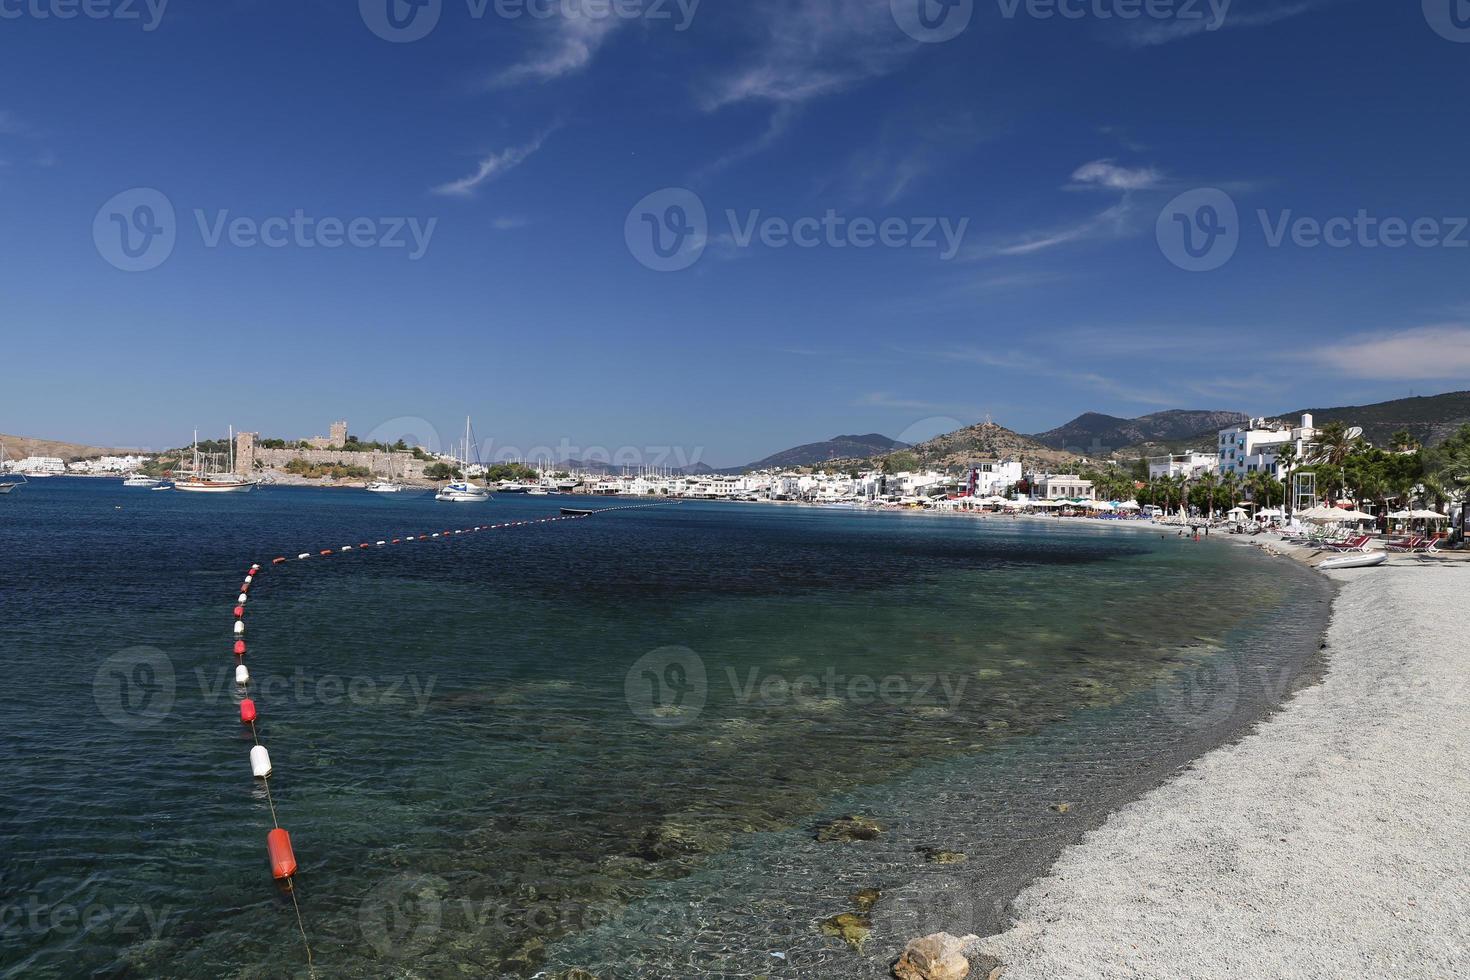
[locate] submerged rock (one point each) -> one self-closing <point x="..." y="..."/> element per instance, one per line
<point x="935" y="855"/>
<point x="937" y="957"/>
<point x="866" y="898"/>
<point x="1062" y="807"/>
<point x="853" y="928"/>
<point x="847" y="830"/>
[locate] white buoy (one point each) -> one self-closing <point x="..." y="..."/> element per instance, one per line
<point x="242" y="675"/>
<point x="302" y="557"/>
<point x="381" y="543"/>
<point x="242" y="598"/>
<point x="239" y="627"/>
<point x="260" y="762"/>
<point x="255" y="568"/>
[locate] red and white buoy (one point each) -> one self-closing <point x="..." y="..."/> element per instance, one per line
<point x="260" y="762"/>
<point x="247" y="711"/>
<point x="239" y="648"/>
<point x="242" y="675"/>
<point x="239" y="627"/>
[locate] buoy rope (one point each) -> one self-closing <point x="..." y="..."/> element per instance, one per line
<point x="239" y="632"/>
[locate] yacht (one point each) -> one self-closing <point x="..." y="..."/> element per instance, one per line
<point x="384" y="486"/>
<point x="140" y="480"/>
<point x="209" y="472"/>
<point x="463" y="491"/>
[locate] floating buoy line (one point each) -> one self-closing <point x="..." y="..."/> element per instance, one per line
<point x="279" y="852"/>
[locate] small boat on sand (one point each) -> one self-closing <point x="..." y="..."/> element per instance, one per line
<point x="1367" y="559"/>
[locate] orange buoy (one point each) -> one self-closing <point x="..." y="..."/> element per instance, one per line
<point x="245" y="586"/>
<point x="326" y="552"/>
<point x="239" y="648"/>
<point x="283" y="859"/>
<point x="278" y="561"/>
<point x="247" y="711"/>
<point x="397" y="541"/>
<point x="239" y="612"/>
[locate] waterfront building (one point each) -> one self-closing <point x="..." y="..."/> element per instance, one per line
<point x="1064" y="487"/>
<point x="1189" y="465"/>
<point x="1256" y="448"/>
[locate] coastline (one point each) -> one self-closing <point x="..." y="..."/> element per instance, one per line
<point x="1327" y="840"/>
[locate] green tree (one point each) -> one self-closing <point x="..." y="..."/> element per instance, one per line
<point x="900" y="463"/>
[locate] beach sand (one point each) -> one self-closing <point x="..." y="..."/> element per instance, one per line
<point x="1334" y="841"/>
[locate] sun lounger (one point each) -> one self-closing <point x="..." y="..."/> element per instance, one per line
<point x="1359" y="543"/>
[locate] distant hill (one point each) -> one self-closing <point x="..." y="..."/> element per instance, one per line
<point x="1101" y="435"/>
<point x="1430" y="419"/>
<point x="990" y="441"/>
<point x="21" y="447"/>
<point x="838" y="447"/>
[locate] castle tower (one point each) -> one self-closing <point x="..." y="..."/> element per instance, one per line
<point x="339" y="434"/>
<point x="245" y="452"/>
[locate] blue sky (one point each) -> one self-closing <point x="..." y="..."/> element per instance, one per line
<point x="1068" y="150"/>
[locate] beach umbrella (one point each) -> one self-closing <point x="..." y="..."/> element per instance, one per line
<point x="1129" y="505"/>
<point x="1402" y="515"/>
<point x="1324" y="513"/>
<point x="1102" y="505"/>
<point x="1428" y="515"/>
<point x="1271" y="512"/>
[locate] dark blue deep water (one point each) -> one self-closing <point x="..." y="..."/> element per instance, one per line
<point x="606" y="744"/>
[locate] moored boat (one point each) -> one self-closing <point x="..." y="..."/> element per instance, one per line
<point x="209" y="473"/>
<point x="1364" y="559"/>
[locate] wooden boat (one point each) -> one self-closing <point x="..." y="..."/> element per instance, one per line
<point x="1362" y="559"/>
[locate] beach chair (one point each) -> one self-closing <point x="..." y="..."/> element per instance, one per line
<point x="1359" y="543"/>
<point x="1407" y="545"/>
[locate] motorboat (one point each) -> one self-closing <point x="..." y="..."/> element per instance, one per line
<point x="140" y="480"/>
<point x="384" y="486"/>
<point x="1362" y="559"/>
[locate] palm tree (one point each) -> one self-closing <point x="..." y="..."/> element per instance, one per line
<point x="1333" y="446"/>
<point x="1286" y="458"/>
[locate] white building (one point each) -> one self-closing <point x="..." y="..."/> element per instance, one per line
<point x="48" y="465"/>
<point x="1257" y="447"/>
<point x="995" y="477"/>
<point x="1068" y="487"/>
<point x="1188" y="465"/>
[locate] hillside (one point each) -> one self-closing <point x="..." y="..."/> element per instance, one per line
<point x="838" y="447"/>
<point x="1099" y="435"/>
<point x="1430" y="419"/>
<point x="20" y="447"/>
<point x="990" y="441"/>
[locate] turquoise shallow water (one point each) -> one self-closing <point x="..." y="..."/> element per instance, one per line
<point x="604" y="744"/>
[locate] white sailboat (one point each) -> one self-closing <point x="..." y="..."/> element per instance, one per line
<point x="390" y="485"/>
<point x="7" y="487"/>
<point x="463" y="491"/>
<point x="206" y="475"/>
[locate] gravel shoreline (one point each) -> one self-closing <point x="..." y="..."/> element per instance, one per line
<point x="1330" y="842"/>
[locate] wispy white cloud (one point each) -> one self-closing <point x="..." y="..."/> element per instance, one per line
<point x="1153" y="33"/>
<point x="492" y="167"/>
<point x="782" y="118"/>
<point x="811" y="48"/>
<point x="509" y="223"/>
<point x="886" y="399"/>
<point x="1107" y="175"/>
<point x="10" y="124"/>
<point x="1112" y="223"/>
<point x="572" y="41"/>
<point x="1438" y="352"/>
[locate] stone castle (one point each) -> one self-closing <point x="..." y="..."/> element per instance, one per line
<point x="252" y="458"/>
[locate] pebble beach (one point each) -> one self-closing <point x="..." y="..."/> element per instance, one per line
<point x="1329" y="842"/>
